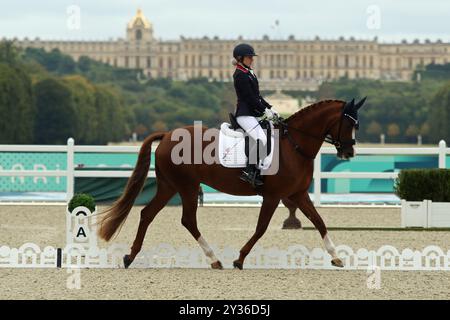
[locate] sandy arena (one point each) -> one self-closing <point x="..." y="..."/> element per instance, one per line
<point x="45" y="225"/>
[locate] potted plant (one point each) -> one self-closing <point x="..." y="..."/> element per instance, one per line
<point x="82" y="199"/>
<point x="425" y="196"/>
<point x="80" y="221"/>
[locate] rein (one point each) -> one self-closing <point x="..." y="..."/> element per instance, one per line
<point x="327" y="138"/>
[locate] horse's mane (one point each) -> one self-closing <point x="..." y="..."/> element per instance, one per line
<point x="312" y="107"/>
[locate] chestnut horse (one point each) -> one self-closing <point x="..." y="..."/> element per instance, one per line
<point x="303" y="133"/>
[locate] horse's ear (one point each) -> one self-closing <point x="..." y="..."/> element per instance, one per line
<point x="349" y="106"/>
<point x="360" y="103"/>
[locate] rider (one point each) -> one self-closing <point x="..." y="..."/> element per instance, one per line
<point x="250" y="106"/>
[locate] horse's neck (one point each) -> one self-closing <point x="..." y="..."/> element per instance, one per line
<point x="313" y="125"/>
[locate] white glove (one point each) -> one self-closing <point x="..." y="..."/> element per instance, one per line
<point x="275" y="112"/>
<point x="269" y="113"/>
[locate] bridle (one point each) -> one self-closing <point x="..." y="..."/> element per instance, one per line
<point x="338" y="143"/>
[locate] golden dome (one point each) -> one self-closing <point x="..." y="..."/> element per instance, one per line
<point x="139" y="18"/>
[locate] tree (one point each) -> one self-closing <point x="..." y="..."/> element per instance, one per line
<point x="82" y="93"/>
<point x="8" y="52"/>
<point x="159" y="126"/>
<point x="439" y="117"/>
<point x="326" y="91"/>
<point x="348" y="92"/>
<point x="434" y="71"/>
<point x="66" y="65"/>
<point x="374" y="129"/>
<point x="424" y="129"/>
<point x="54" y="61"/>
<point x="17" y="109"/>
<point x="55" y="112"/>
<point x="141" y="130"/>
<point x="104" y="128"/>
<point x="110" y="115"/>
<point x="84" y="63"/>
<point x="412" y="131"/>
<point x="393" y="130"/>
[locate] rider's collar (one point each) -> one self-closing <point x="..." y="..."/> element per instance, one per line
<point x="241" y="66"/>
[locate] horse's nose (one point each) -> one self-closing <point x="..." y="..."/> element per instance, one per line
<point x="347" y="154"/>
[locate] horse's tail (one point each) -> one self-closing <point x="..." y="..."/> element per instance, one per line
<point x="114" y="217"/>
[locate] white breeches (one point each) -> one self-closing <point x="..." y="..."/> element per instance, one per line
<point x="254" y="130"/>
<point x="252" y="127"/>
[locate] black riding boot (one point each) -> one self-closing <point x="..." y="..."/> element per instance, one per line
<point x="251" y="173"/>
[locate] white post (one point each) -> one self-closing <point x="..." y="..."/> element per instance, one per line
<point x="317" y="178"/>
<point x="81" y="227"/>
<point x="70" y="169"/>
<point x="442" y="154"/>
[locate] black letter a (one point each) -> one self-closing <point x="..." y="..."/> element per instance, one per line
<point x="81" y="232"/>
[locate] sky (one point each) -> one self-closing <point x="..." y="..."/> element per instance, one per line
<point x="389" y="20"/>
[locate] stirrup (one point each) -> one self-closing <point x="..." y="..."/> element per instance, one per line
<point x="250" y="175"/>
<point x="257" y="180"/>
<point x="246" y="175"/>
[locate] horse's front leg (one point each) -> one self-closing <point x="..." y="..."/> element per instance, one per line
<point x="265" y="214"/>
<point x="307" y="207"/>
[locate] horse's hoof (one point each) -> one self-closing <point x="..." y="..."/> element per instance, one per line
<point x="217" y="265"/>
<point x="292" y="223"/>
<point x="337" y="263"/>
<point x="237" y="264"/>
<point x="127" y="261"/>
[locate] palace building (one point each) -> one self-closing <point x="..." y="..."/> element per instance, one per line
<point x="289" y="64"/>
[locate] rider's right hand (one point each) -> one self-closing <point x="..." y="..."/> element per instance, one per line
<point x="269" y="113"/>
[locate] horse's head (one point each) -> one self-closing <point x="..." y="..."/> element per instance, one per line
<point x="342" y="132"/>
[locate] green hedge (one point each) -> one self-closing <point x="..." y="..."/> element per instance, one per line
<point x="423" y="184"/>
<point x="82" y="199"/>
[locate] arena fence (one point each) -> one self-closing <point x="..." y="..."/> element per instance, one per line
<point x="70" y="173"/>
<point x="82" y="251"/>
<point x="30" y="255"/>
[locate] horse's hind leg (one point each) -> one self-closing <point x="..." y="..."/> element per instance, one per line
<point x="163" y="194"/>
<point x="189" y="221"/>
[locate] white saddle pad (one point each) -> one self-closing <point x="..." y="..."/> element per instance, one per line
<point x="232" y="148"/>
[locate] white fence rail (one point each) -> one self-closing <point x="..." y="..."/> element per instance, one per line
<point x="441" y="151"/>
<point x="70" y="173"/>
<point x="30" y="255"/>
